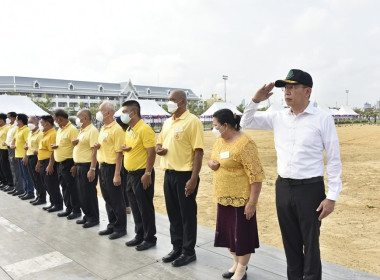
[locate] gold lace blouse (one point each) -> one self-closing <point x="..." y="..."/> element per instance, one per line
<point x="240" y="166"/>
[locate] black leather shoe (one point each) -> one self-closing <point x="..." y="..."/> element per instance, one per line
<point x="90" y="224"/>
<point x="134" y="242"/>
<point x="48" y="207"/>
<point x="55" y="208"/>
<point x="175" y="253"/>
<point x="6" y="188"/>
<point x="64" y="213"/>
<point x="28" y="196"/>
<point x="145" y="246"/>
<point x="183" y="260"/>
<point x="228" y="274"/>
<point x="34" y="200"/>
<point x="23" y="194"/>
<point x="39" y="202"/>
<point x="107" y="231"/>
<point x="73" y="216"/>
<point x="81" y="222"/>
<point x="117" y="234"/>
<point x="17" y="193"/>
<point x="11" y="191"/>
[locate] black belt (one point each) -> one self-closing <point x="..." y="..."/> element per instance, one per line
<point x="83" y="164"/>
<point x="136" y="172"/>
<point x="301" y="181"/>
<point x="104" y="164"/>
<point x="31" y="156"/>
<point x="175" y="171"/>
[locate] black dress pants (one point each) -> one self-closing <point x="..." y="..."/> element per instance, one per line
<point x="67" y="182"/>
<point x="182" y="211"/>
<point x="300" y="228"/>
<point x="88" y="197"/>
<point x="36" y="178"/>
<point x="141" y="202"/>
<point x="113" y="196"/>
<point x="6" y="168"/>
<point x="51" y="183"/>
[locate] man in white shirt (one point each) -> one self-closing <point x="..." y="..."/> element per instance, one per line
<point x="301" y="134"/>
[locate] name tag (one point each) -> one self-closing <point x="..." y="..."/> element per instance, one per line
<point x="178" y="129"/>
<point x="80" y="137"/>
<point x="64" y="137"/>
<point x="224" y="155"/>
<point x="105" y="134"/>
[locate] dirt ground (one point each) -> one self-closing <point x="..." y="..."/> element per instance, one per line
<point x="350" y="236"/>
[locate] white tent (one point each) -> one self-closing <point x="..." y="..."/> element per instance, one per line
<point x="274" y="107"/>
<point x="20" y="104"/>
<point x="325" y="108"/>
<point x="217" y="106"/>
<point x="149" y="110"/>
<point x="346" y="111"/>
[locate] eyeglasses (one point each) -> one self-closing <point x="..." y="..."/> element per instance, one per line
<point x="292" y="87"/>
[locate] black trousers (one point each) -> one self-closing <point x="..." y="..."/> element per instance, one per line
<point x="113" y="196"/>
<point x="300" y="228"/>
<point x="51" y="183"/>
<point x="6" y="168"/>
<point x="67" y="182"/>
<point x="182" y="211"/>
<point x="36" y="178"/>
<point x="88" y="197"/>
<point x="141" y="202"/>
<point x="124" y="176"/>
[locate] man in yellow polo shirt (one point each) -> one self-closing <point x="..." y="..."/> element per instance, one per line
<point x="63" y="155"/>
<point x="18" y="143"/>
<point x="17" y="184"/>
<point x="180" y="145"/>
<point x="109" y="155"/>
<point x="139" y="156"/>
<point x="34" y="139"/>
<point x="46" y="165"/>
<point x="5" y="168"/>
<point x="87" y="168"/>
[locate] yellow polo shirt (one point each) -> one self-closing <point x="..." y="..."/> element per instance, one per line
<point x="64" y="137"/>
<point x="3" y="136"/>
<point x="111" y="137"/>
<point x="140" y="137"/>
<point x="34" y="140"/>
<point x="181" y="137"/>
<point x="44" y="149"/>
<point x="87" y="138"/>
<point x="21" y="138"/>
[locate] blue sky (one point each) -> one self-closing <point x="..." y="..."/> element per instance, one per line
<point x="193" y="43"/>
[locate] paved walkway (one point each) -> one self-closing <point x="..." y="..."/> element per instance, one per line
<point x="35" y="244"/>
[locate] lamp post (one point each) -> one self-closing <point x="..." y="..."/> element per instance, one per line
<point x="225" y="78"/>
<point x="347" y="91"/>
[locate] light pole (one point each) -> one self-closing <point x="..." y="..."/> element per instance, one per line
<point x="225" y="78"/>
<point x="347" y="91"/>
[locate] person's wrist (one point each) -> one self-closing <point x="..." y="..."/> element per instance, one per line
<point x="148" y="173"/>
<point x="92" y="168"/>
<point x="255" y="100"/>
<point x="252" y="203"/>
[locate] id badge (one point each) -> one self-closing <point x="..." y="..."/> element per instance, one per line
<point x="224" y="155"/>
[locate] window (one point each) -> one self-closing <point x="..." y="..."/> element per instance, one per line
<point x="62" y="104"/>
<point x="100" y="88"/>
<point x="168" y="91"/>
<point x="73" y="104"/>
<point x="187" y="93"/>
<point x="53" y="104"/>
<point x="36" y="84"/>
<point x="70" y="86"/>
<point x="148" y="90"/>
<point x="83" y="97"/>
<point x="92" y="97"/>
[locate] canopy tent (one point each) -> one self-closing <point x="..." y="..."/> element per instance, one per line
<point x="217" y="106"/>
<point x="325" y="108"/>
<point x="148" y="109"/>
<point x="20" y="104"/>
<point x="346" y="111"/>
<point x="275" y="107"/>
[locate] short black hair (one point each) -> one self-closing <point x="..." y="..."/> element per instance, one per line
<point x="134" y="104"/>
<point x="12" y="114"/>
<point x="23" y="118"/>
<point x="3" y="116"/>
<point x="61" y="113"/>
<point x="226" y="116"/>
<point x="48" y="118"/>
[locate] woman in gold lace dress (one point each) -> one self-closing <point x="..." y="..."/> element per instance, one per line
<point x="238" y="176"/>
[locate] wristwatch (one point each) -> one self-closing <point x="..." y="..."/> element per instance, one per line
<point x="148" y="173"/>
<point x="92" y="168"/>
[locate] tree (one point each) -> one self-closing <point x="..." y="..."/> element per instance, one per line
<point x="240" y="108"/>
<point x="45" y="104"/>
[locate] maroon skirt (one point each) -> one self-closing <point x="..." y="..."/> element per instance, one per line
<point x="235" y="232"/>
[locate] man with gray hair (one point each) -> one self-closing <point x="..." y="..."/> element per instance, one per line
<point x="109" y="156"/>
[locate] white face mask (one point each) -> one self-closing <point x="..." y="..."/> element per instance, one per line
<point x="56" y="124"/>
<point x="31" y="126"/>
<point x="216" y="132"/>
<point x="99" y="116"/>
<point x="172" y="107"/>
<point x="8" y="121"/>
<point x="78" y="122"/>
<point x="41" y="127"/>
<point x="125" y="118"/>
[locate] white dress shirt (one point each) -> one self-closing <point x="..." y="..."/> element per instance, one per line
<point x="300" y="141"/>
<point x="11" y="133"/>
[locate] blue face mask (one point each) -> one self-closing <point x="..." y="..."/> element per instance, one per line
<point x="125" y="118"/>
